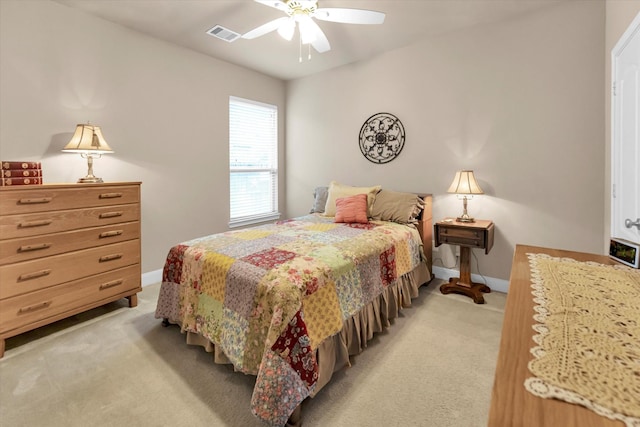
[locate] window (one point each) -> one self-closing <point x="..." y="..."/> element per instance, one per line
<point x="253" y="162"/>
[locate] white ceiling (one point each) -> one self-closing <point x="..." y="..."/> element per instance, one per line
<point x="185" y="22"/>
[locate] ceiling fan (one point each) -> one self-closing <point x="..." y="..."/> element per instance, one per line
<point x="302" y="13"/>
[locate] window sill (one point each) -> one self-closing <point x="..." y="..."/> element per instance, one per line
<point x="243" y="222"/>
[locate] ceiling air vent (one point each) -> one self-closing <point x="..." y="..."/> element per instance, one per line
<point x="223" y="33"/>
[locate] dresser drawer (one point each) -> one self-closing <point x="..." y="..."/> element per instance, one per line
<point x="24" y="249"/>
<point x="49" y="198"/>
<point x="29" y="276"/>
<point x="25" y="225"/>
<point x="40" y="305"/>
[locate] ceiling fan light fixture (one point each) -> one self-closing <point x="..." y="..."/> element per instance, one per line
<point x="287" y="29"/>
<point x="307" y="30"/>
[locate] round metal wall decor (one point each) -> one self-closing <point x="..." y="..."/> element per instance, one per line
<point x="382" y="138"/>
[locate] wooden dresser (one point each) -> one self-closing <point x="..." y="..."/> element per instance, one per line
<point x="64" y="249"/>
<point x="511" y="404"/>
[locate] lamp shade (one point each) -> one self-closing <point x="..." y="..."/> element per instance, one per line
<point x="87" y="139"/>
<point x="465" y="183"/>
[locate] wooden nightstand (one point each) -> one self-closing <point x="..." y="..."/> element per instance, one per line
<point x="467" y="235"/>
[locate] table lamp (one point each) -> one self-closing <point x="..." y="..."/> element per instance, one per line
<point x="89" y="142"/>
<point x="465" y="186"/>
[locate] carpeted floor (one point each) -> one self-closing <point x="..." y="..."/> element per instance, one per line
<point x="116" y="366"/>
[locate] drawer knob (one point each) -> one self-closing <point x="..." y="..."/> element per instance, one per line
<point x="110" y="214"/>
<point x="34" y="307"/>
<point x="111" y="233"/>
<point x="110" y="257"/>
<point x="28" y="248"/>
<point x="110" y="284"/>
<point x="109" y="195"/>
<point x="34" y="275"/>
<point x="35" y="223"/>
<point x="34" y="201"/>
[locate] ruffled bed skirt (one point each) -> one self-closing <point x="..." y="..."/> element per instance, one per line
<point x="333" y="354"/>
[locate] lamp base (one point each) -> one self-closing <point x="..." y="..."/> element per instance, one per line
<point x="465" y="218"/>
<point x="89" y="180"/>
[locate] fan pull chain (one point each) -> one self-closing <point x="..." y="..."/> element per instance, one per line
<point x="309" y="46"/>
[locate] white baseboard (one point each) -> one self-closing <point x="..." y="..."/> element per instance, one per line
<point x="151" y="277"/>
<point x="498" y="285"/>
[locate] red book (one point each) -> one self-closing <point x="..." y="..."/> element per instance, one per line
<point x="21" y="173"/>
<point x="5" y="182"/>
<point x="20" y="165"/>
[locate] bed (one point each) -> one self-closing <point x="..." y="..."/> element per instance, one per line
<point x="290" y="302"/>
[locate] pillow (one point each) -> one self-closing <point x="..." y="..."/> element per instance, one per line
<point x="319" y="199"/>
<point x="337" y="190"/>
<point x="395" y="206"/>
<point x="352" y="209"/>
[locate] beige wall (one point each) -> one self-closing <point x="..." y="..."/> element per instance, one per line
<point x="163" y="109"/>
<point x="519" y="102"/>
<point x="619" y="14"/>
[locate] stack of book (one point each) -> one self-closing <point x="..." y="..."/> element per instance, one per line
<point x="20" y="173"/>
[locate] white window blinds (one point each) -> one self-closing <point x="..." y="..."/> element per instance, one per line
<point x="253" y="162"/>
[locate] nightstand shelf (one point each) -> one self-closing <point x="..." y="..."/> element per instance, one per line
<point x="467" y="235"/>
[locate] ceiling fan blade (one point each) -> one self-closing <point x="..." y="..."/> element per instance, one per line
<point x="320" y="43"/>
<point x="349" y="16"/>
<point x="265" y="28"/>
<point x="280" y="5"/>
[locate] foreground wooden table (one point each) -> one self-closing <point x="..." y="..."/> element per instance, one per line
<point x="511" y="404"/>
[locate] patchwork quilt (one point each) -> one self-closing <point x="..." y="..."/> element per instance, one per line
<point x="269" y="295"/>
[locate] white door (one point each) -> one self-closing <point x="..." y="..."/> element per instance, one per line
<point x="625" y="135"/>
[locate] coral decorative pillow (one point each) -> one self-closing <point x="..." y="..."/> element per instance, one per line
<point x="352" y="209"/>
